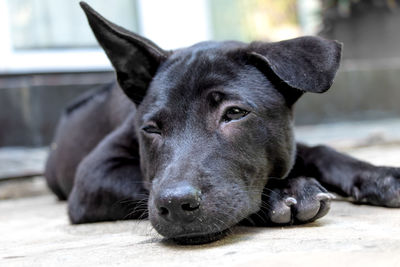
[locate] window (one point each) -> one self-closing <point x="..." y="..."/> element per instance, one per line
<point x="53" y="36"/>
<point x="49" y="24"/>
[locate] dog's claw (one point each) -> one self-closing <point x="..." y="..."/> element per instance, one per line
<point x="281" y="213"/>
<point x="324" y="196"/>
<point x="290" y="201"/>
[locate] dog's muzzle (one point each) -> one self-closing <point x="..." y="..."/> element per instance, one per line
<point x="178" y="212"/>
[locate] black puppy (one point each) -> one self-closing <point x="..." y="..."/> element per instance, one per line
<point x="204" y="138"/>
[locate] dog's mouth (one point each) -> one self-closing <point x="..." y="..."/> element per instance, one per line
<point x="199" y="239"/>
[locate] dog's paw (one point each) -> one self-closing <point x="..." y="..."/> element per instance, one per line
<point x="297" y="200"/>
<point x="380" y="187"/>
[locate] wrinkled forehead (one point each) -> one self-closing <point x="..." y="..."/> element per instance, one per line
<point x="196" y="69"/>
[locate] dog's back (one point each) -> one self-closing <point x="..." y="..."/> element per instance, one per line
<point x="83" y="124"/>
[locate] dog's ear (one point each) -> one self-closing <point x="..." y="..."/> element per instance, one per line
<point x="134" y="58"/>
<point x="305" y="64"/>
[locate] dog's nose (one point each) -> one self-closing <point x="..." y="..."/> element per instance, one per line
<point x="179" y="204"/>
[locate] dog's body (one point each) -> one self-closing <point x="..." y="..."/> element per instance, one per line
<point x="208" y="141"/>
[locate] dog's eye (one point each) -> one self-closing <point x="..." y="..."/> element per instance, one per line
<point x="234" y="113"/>
<point x="151" y="129"/>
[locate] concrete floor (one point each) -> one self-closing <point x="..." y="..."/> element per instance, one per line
<point x="34" y="231"/>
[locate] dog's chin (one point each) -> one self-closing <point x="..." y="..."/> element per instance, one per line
<point x="199" y="239"/>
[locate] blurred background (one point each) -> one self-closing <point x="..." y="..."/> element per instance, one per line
<point x="48" y="56"/>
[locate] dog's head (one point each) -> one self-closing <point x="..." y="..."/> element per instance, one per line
<point x="213" y="121"/>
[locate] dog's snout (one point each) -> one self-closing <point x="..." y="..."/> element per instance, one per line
<point x="179" y="204"/>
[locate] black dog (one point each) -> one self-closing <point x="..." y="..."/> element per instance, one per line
<point x="208" y="140"/>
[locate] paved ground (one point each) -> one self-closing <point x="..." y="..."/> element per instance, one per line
<point x="34" y="231"/>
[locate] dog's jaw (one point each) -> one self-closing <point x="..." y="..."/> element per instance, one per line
<point x="200" y="239"/>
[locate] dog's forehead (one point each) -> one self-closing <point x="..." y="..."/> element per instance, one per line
<point x="202" y="65"/>
<point x="190" y="72"/>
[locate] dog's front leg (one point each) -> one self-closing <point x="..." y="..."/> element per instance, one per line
<point x="108" y="183"/>
<point x="350" y="177"/>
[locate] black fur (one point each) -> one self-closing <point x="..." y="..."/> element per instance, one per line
<point x="87" y="97"/>
<point x="209" y="142"/>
